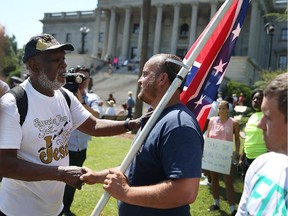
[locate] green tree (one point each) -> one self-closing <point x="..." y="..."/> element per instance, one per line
<point x="279" y="17"/>
<point x="266" y="77"/>
<point x="10" y="56"/>
<point x="234" y="87"/>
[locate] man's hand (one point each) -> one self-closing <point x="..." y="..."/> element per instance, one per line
<point x="146" y="115"/>
<point x="116" y="184"/>
<point x="91" y="177"/>
<point x="135" y="124"/>
<point x="71" y="175"/>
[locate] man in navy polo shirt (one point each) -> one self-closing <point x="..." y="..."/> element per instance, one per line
<point x="163" y="178"/>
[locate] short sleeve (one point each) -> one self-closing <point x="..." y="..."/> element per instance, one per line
<point x="182" y="153"/>
<point x="78" y="112"/>
<point x="10" y="129"/>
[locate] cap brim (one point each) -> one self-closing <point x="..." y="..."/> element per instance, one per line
<point x="34" y="51"/>
<point x="62" y="46"/>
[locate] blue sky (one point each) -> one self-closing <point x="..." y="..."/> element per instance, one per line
<point x="21" y="18"/>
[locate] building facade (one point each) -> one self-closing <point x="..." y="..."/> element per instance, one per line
<point x="115" y="29"/>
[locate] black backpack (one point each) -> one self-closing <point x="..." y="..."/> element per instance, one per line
<point x="22" y="101"/>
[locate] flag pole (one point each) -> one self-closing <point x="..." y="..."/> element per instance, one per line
<point x="166" y="98"/>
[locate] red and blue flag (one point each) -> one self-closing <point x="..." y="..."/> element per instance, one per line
<point x="207" y="72"/>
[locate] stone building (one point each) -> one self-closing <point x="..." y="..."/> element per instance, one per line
<point x="115" y="29"/>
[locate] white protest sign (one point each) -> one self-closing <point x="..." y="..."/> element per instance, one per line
<point x="217" y="155"/>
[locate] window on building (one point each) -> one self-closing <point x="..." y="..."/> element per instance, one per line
<point x="68" y="38"/>
<point x="184" y="30"/>
<point x="136" y="28"/>
<point x="101" y="37"/>
<point x="134" y="52"/>
<point x="284" y="34"/>
<point x="283" y="62"/>
<point x="181" y="53"/>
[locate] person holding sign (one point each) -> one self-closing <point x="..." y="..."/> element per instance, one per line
<point x="222" y="127"/>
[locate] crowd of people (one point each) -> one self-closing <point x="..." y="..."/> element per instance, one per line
<point x="126" y="109"/>
<point x="48" y="149"/>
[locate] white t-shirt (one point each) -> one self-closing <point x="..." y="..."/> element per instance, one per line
<point x="42" y="139"/>
<point x="110" y="111"/>
<point x="4" y="87"/>
<point x="266" y="186"/>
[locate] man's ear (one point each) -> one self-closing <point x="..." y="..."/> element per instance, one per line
<point x="32" y="63"/>
<point x="163" y="78"/>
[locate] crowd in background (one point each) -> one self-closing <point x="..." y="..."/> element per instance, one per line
<point x="220" y="122"/>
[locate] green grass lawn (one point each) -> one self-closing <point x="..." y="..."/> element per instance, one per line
<point x="106" y="152"/>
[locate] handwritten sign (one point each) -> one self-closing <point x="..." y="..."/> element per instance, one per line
<point x="217" y="155"/>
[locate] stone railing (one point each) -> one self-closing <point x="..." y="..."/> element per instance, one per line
<point x="72" y="14"/>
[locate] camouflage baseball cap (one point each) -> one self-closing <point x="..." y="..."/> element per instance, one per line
<point x="41" y="43"/>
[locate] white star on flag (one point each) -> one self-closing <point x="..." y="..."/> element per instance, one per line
<point x="236" y="32"/>
<point x="220" y="80"/>
<point x="219" y="67"/>
<point x="200" y="100"/>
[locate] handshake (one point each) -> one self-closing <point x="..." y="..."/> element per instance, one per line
<point x="114" y="181"/>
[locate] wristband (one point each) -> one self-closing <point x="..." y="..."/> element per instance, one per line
<point x="126" y="124"/>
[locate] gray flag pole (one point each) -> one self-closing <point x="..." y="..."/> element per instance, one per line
<point x="166" y="98"/>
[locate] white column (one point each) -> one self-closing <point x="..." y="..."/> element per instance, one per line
<point x="213" y="5"/>
<point x="111" y="31"/>
<point x="259" y="32"/>
<point x="124" y="51"/>
<point x="175" y="28"/>
<point x="140" y="34"/>
<point x="262" y="53"/>
<point x="193" y="25"/>
<point x="106" y="34"/>
<point x="97" y="30"/>
<point x="252" y="30"/>
<point x="158" y="29"/>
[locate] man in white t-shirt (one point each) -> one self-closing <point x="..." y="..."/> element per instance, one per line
<point x="266" y="186"/>
<point x="34" y="157"/>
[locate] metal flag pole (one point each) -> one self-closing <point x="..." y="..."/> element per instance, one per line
<point x="166" y="98"/>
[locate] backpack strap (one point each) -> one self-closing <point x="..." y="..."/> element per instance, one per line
<point x="67" y="98"/>
<point x="21" y="102"/>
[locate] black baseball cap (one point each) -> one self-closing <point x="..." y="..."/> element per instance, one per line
<point x="41" y="43"/>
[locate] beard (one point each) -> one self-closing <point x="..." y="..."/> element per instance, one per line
<point x="48" y="84"/>
<point x="148" y="93"/>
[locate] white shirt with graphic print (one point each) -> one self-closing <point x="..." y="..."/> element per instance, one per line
<point x="42" y="139"/>
<point x="266" y="186"/>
